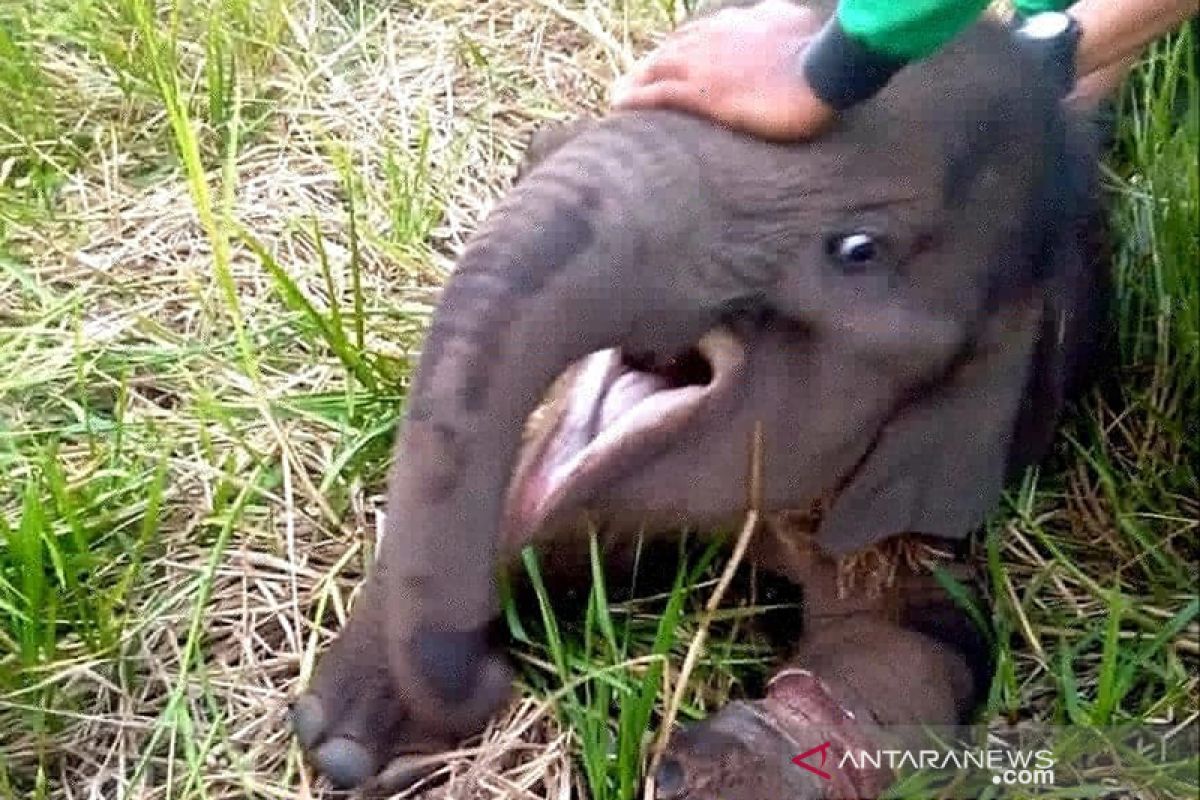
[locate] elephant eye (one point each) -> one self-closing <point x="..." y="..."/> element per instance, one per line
<point x="855" y="250"/>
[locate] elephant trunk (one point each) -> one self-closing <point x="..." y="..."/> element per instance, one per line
<point x="579" y="257"/>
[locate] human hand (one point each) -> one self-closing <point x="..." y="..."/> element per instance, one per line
<point x="1100" y="84"/>
<point x="739" y="67"/>
<point x="1112" y="37"/>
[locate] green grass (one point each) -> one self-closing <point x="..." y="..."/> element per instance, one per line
<point x="1093" y="563"/>
<point x="219" y="227"/>
<point x="125" y="49"/>
<point x="605" y="660"/>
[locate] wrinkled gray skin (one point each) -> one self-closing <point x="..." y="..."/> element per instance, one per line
<point x="900" y="389"/>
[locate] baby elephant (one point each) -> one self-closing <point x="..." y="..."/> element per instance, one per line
<point x="900" y="307"/>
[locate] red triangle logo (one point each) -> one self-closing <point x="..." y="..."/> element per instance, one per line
<point x="802" y="760"/>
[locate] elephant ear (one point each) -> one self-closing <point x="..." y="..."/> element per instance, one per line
<point x="939" y="465"/>
<point x="546" y="139"/>
<point x="1076" y="343"/>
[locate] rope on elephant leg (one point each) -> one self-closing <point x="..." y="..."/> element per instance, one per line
<point x="753" y="515"/>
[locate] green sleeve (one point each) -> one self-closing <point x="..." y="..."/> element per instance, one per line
<point x="907" y="29"/>
<point x="913" y="29"/>
<point x="1027" y="8"/>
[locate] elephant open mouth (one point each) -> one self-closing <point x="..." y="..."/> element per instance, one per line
<point x="616" y="409"/>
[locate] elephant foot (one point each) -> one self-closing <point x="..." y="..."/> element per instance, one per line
<point x="788" y="745"/>
<point x="363" y="727"/>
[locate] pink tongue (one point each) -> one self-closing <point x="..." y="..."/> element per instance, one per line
<point x="605" y="402"/>
<point x="582" y="421"/>
<point x="590" y="408"/>
<point x="625" y="393"/>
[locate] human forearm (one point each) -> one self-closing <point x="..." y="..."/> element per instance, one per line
<point x="774" y="69"/>
<point x="1111" y="32"/>
<point x="867" y="41"/>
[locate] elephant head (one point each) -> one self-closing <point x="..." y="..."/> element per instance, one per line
<point x="882" y="301"/>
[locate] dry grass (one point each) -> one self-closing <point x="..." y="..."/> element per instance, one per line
<point x="351" y="99"/>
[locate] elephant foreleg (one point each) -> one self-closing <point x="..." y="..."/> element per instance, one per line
<point x="863" y="669"/>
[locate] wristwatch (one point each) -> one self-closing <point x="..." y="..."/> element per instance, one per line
<point x="1053" y="38"/>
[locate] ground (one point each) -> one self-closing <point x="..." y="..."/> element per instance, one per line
<point x="222" y="227"/>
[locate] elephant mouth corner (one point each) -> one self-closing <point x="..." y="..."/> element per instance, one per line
<point x="610" y="413"/>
